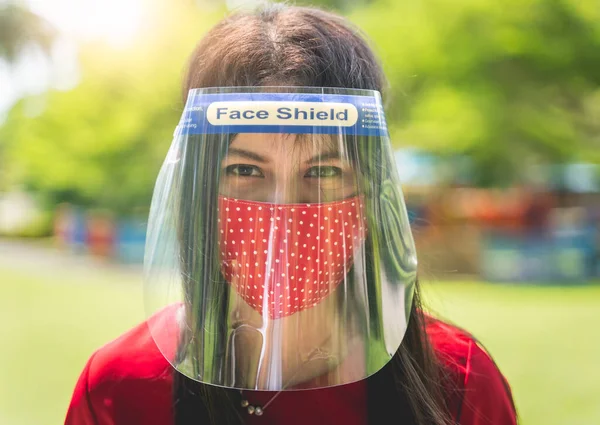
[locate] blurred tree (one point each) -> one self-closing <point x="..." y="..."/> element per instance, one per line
<point x="510" y="83"/>
<point x="102" y="143"/>
<point x="340" y="5"/>
<point x="20" y="28"/>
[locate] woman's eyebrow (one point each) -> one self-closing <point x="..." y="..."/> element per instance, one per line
<point x="324" y="156"/>
<point x="247" y="154"/>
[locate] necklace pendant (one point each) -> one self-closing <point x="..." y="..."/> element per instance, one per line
<point x="251" y="410"/>
<point x="245" y="403"/>
<point x="258" y="411"/>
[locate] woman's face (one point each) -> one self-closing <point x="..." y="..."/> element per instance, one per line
<point x="287" y="169"/>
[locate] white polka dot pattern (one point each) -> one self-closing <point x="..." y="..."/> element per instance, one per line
<point x="288" y="256"/>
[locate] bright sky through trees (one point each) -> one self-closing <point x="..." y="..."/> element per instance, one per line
<point x="114" y="21"/>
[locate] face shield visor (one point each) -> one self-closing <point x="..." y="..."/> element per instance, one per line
<point x="279" y="254"/>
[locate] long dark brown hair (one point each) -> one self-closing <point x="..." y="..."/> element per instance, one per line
<point x="298" y="46"/>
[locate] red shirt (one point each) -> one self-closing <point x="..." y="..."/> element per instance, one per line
<point x="129" y="382"/>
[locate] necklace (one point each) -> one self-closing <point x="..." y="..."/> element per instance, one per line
<point x="257" y="410"/>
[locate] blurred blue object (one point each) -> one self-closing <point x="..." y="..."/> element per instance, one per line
<point x="555" y="258"/>
<point x="416" y="168"/>
<point x="77" y="239"/>
<point x="130" y="241"/>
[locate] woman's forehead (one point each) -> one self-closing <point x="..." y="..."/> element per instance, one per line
<point x="301" y="143"/>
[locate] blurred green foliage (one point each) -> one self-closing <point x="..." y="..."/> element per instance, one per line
<point x="510" y="84"/>
<point x="342" y="6"/>
<point x="101" y="144"/>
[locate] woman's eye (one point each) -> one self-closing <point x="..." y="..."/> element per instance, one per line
<point x="323" y="171"/>
<point x="243" y="170"/>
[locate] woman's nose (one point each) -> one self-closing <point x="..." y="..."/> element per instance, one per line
<point x="287" y="188"/>
<point x="288" y="193"/>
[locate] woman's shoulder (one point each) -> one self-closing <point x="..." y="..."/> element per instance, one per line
<point x="480" y="392"/>
<point x="452" y="344"/>
<point x="122" y="377"/>
<point x="134" y="354"/>
<point x="458" y="350"/>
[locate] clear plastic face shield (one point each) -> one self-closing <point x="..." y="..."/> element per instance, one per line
<point x="279" y="252"/>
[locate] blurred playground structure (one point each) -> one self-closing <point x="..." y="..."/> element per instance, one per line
<point x="546" y="229"/>
<point x="542" y="231"/>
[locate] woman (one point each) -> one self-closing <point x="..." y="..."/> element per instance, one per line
<point x="280" y="268"/>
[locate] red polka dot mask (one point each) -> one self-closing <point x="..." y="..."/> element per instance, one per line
<point x="285" y="258"/>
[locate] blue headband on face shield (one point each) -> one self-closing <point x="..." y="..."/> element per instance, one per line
<point x="291" y="113"/>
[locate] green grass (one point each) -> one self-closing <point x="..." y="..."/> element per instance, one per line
<point x="544" y="339"/>
<point x="50" y="326"/>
